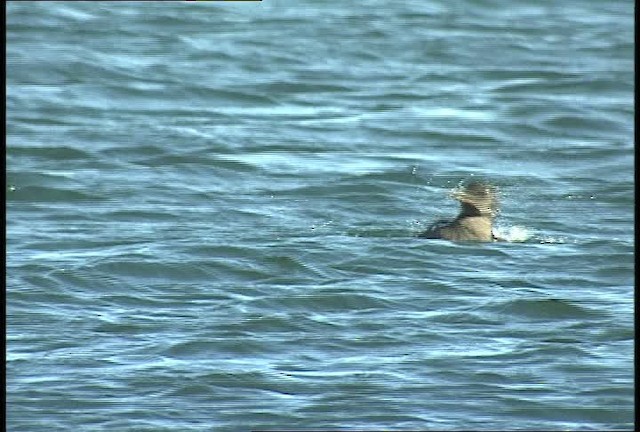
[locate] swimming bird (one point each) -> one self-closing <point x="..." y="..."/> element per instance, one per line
<point x="478" y="208"/>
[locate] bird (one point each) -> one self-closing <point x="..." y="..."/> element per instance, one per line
<point x="478" y="208"/>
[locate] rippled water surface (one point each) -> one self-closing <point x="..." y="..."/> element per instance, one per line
<point x="212" y="209"/>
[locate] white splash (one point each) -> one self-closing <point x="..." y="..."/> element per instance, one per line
<point x="513" y="234"/>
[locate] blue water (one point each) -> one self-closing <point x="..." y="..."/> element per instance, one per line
<point x="212" y="210"/>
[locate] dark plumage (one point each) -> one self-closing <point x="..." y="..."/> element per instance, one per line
<point x="478" y="208"/>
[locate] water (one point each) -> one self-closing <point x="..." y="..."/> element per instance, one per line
<point x="212" y="209"/>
